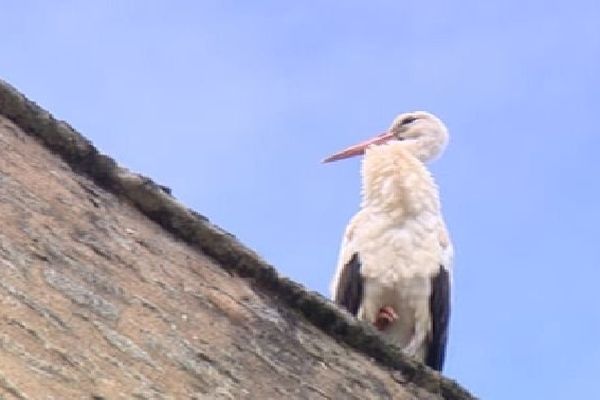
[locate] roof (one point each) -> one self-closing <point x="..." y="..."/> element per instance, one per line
<point x="117" y="256"/>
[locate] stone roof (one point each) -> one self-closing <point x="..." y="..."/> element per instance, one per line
<point x="110" y="288"/>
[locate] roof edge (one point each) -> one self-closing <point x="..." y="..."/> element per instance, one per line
<point x="157" y="204"/>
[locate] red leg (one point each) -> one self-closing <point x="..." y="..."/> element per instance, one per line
<point x="385" y="317"/>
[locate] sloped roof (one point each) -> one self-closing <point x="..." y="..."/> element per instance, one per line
<point x="112" y="288"/>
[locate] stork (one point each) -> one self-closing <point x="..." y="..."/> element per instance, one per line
<point x="395" y="262"/>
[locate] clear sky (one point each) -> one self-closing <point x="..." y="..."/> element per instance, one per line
<point x="233" y="104"/>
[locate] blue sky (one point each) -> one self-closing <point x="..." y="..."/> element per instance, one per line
<point x="233" y="104"/>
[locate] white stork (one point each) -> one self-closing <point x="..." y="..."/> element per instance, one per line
<point x="394" y="267"/>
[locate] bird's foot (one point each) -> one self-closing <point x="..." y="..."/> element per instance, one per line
<point x="385" y="317"/>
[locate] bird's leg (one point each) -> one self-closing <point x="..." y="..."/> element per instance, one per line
<point x="385" y="317"/>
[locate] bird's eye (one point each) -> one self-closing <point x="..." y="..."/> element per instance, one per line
<point x="409" y="120"/>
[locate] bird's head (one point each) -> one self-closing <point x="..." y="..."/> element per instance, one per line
<point x="420" y="132"/>
<point x="423" y="133"/>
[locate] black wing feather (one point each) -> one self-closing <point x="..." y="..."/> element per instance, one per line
<point x="439" y="305"/>
<point x="349" y="292"/>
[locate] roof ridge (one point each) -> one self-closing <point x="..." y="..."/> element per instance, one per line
<point x="156" y="203"/>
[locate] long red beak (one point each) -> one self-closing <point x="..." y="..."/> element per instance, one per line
<point x="359" y="149"/>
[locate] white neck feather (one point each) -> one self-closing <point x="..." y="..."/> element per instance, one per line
<point x="396" y="181"/>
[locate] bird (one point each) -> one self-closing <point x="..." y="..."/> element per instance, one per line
<point x="395" y="262"/>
